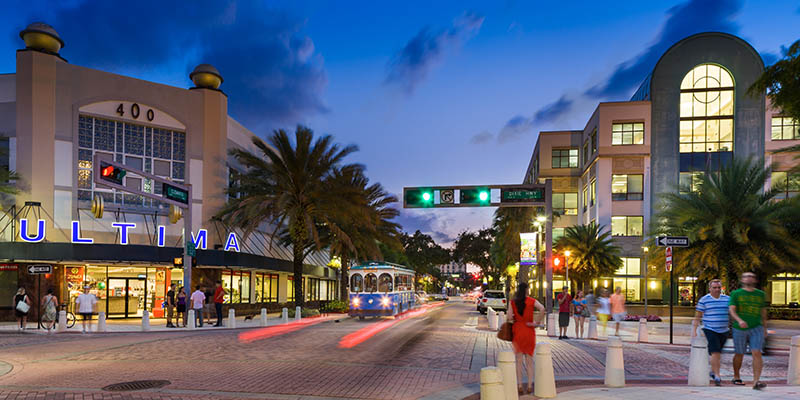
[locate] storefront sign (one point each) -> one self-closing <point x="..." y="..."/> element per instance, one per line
<point x="9" y="267"/>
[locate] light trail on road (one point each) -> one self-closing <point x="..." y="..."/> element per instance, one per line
<point x="272" y="331"/>
<point x="360" y="336"/>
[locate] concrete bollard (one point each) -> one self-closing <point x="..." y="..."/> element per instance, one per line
<point x="698" y="362"/>
<point x="62" y="321"/>
<point x="298" y="313"/>
<point x="285" y="315"/>
<point x="551" y="325"/>
<point x="101" y="321"/>
<point x="191" y="319"/>
<point x="263" y="317"/>
<point x="543" y="374"/>
<point x="491" y="384"/>
<point x="501" y="319"/>
<point x="507" y="364"/>
<point x="592" y="328"/>
<point x="643" y="338"/>
<point x="793" y="377"/>
<point x="491" y="318"/>
<point x="231" y="318"/>
<point x="146" y="321"/>
<point x="615" y="365"/>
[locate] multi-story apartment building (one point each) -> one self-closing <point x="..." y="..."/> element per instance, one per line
<point x="691" y="114"/>
<point x="453" y="269"/>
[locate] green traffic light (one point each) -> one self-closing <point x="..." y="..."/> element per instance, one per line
<point x="426" y="196"/>
<point x="483" y="196"/>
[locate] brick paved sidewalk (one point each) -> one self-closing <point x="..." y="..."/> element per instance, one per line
<point x="774" y="392"/>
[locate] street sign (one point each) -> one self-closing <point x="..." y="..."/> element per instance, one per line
<point x="447" y="196"/>
<point x="668" y="256"/>
<point x="40" y="269"/>
<point x="173" y="192"/>
<point x="674" y="241"/>
<point x="191" y="251"/>
<point x="521" y="195"/>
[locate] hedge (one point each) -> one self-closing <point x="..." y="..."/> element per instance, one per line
<point x="784" y="313"/>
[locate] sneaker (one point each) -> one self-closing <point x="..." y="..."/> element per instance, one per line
<point x="717" y="381"/>
<point x="759" y="385"/>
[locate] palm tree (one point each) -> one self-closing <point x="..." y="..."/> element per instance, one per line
<point x="594" y="253"/>
<point x="289" y="187"/>
<point x="733" y="225"/>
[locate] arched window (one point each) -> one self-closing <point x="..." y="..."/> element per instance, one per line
<point x="385" y="283"/>
<point x="356" y="283"/>
<point x="371" y="283"/>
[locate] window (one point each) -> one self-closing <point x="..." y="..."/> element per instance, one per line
<point x="787" y="184"/>
<point x="627" y="133"/>
<point x="557" y="233"/>
<point x="626" y="226"/>
<point x="785" y="129"/>
<point x="290" y="288"/>
<point x="266" y="287"/>
<point x="594" y="141"/>
<point x="690" y="181"/>
<point x="371" y="283"/>
<point x="356" y="283"/>
<point x="237" y="286"/>
<point x="630" y="288"/>
<point x="585" y="197"/>
<point x="630" y="266"/>
<point x="313" y="290"/>
<point x="706" y="110"/>
<point x="586" y="152"/>
<point x="593" y="192"/>
<point x="385" y="283"/>
<point x="627" y="187"/>
<point x="565" y="203"/>
<point x="565" y="158"/>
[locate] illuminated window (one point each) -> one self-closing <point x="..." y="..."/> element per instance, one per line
<point x="788" y="185"/>
<point x="785" y="129"/>
<point x="627" y="133"/>
<point x="626" y="226"/>
<point x="585" y="197"/>
<point x="706" y="110"/>
<point x="385" y="283"/>
<point x="565" y="203"/>
<point x="565" y="158"/>
<point x="593" y="192"/>
<point x="690" y="181"/>
<point x="371" y="283"/>
<point x="630" y="266"/>
<point x="356" y="283"/>
<point x="627" y="187"/>
<point x="290" y="288"/>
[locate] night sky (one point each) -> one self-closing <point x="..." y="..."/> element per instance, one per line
<point x="433" y="93"/>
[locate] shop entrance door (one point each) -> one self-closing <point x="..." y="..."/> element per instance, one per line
<point x="125" y="297"/>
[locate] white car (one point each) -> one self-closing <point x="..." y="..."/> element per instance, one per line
<point x="492" y="298"/>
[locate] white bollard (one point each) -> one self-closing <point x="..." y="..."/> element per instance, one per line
<point x="698" y="362"/>
<point x="501" y="319"/>
<point x="551" y="325"/>
<point x="793" y="377"/>
<point x="592" y="328"/>
<point x="101" y="321"/>
<point x="643" y="338"/>
<point x="285" y="315"/>
<point x="231" y="318"/>
<point x="507" y="364"/>
<point x="146" y="321"/>
<point x="62" y="321"/>
<point x="191" y="320"/>
<point x="298" y="313"/>
<point x="543" y="374"/>
<point x="491" y="384"/>
<point x="615" y="365"/>
<point x="263" y="317"/>
<point x="491" y="318"/>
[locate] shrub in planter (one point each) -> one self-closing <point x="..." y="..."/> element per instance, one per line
<point x="650" y="318"/>
<point x="337" y="306"/>
<point x="305" y="312"/>
<point x="784" y="313"/>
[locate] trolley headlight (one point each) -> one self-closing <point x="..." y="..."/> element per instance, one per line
<point x="385" y="301"/>
<point x="356" y="302"/>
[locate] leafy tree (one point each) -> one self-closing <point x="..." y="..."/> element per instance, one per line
<point x="422" y="253"/>
<point x="508" y="223"/>
<point x="290" y="187"/>
<point x="475" y="248"/>
<point x="593" y="252"/>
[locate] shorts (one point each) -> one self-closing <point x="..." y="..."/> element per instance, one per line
<point x="86" y="316"/>
<point x="753" y="336"/>
<point x="716" y="340"/>
<point x="619" y="317"/>
<point x="602" y="317"/>
<point x="563" y="319"/>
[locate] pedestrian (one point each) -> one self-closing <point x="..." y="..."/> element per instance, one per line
<point x="219" y="298"/>
<point x="618" y="307"/>
<point x="49" y="310"/>
<point x="564" y="307"/>
<point x="748" y="308"/>
<point x="22" y="304"/>
<point x="604" y="308"/>
<point x="198" y="300"/>
<point x="86" y="303"/>
<point x="712" y="309"/>
<point x="209" y="304"/>
<point x="170" y="305"/>
<point x="579" y="311"/>
<point x="181" y="305"/>
<point x="523" y="340"/>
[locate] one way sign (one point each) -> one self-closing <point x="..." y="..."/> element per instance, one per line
<point x="674" y="241"/>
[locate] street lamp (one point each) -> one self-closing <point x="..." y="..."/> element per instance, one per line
<point x="645" y="249"/>
<point x="566" y="265"/>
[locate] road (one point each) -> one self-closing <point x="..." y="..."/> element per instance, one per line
<point x="431" y="354"/>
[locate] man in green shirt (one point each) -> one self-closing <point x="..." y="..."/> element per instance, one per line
<point x="749" y="312"/>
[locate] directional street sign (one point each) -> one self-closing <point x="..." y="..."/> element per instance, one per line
<point x="674" y="241"/>
<point x="40" y="269"/>
<point x="447" y="196"/>
<point x="668" y="255"/>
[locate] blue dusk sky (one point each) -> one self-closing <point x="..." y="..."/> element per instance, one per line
<point x="433" y="92"/>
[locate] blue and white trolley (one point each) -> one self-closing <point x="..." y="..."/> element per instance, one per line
<point x="380" y="289"/>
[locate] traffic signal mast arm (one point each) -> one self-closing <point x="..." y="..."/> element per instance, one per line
<point x="474" y="196"/>
<point x="111" y="173"/>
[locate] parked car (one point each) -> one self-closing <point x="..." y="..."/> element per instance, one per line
<point x="492" y="298"/>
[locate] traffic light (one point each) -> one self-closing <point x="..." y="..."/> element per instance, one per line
<point x="418" y="197"/>
<point x="480" y="196"/>
<point x="112" y="173"/>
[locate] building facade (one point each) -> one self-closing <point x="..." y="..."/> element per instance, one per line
<point x="57" y="120"/>
<point x="690" y="115"/>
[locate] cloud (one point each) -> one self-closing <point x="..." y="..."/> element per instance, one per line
<point x="412" y="64"/>
<point x="519" y="125"/>
<point x="271" y="71"/>
<point x="683" y="20"/>
<point x="429" y="223"/>
<point x="480" y="138"/>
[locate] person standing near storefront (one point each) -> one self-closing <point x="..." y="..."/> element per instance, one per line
<point x="219" y="298"/>
<point x="748" y="307"/>
<point x="564" y="307"/>
<point x="50" y="308"/>
<point x="198" y="301"/>
<point x="618" y="307"/>
<point x="22" y="304"/>
<point x="170" y="305"/>
<point x="181" y="305"/>
<point x="86" y="304"/>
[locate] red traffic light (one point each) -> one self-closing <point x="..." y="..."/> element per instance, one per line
<point x="107" y="171"/>
<point x="112" y="173"/>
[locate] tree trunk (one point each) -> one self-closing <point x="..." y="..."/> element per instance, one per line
<point x="344" y="282"/>
<point x="297" y="264"/>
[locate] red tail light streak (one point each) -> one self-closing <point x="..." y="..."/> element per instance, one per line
<point x="363" y="334"/>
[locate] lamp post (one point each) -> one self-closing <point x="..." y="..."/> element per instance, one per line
<point x="566" y="265"/>
<point x="539" y="273"/>
<point x="646" y="286"/>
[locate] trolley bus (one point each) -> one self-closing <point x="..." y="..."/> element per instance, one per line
<point x="380" y="289"/>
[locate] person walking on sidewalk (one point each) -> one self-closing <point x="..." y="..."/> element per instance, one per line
<point x="198" y="300"/>
<point x="748" y="308"/>
<point x="712" y="309"/>
<point x="22" y="304"/>
<point x="180" y="303"/>
<point x="86" y="303"/>
<point x="618" y="307"/>
<point x="564" y="307"/>
<point x="523" y="339"/>
<point x="219" y="298"/>
<point x="170" y="305"/>
<point x="50" y="310"/>
<point x="603" y="308"/>
<point x="580" y="311"/>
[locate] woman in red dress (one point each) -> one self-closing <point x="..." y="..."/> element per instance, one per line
<point x="524" y="336"/>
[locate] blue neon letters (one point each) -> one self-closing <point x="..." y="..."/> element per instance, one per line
<point x="232" y="242"/>
<point x="23" y="231"/>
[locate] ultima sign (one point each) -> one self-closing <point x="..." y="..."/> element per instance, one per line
<point x="200" y="241"/>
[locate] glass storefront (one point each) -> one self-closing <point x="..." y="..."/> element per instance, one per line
<point x="785" y="289"/>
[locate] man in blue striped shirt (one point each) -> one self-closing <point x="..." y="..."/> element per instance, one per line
<point x="713" y="310"/>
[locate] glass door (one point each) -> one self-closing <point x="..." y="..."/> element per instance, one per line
<point x="126" y="297"/>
